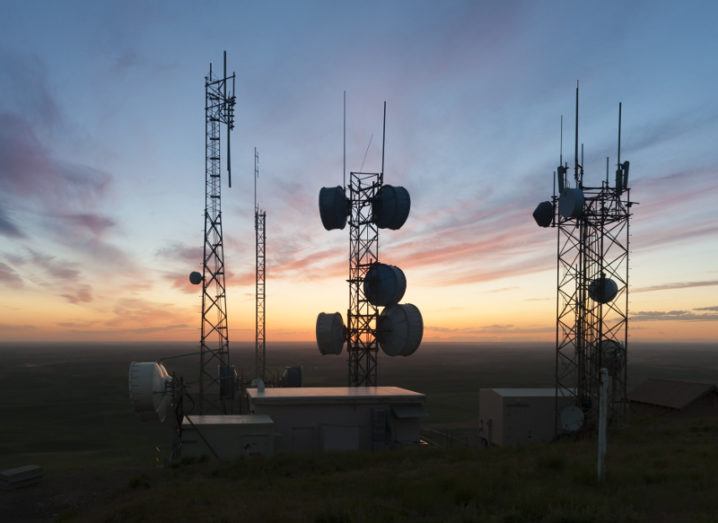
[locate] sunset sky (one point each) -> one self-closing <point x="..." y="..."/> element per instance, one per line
<point x="102" y="159"/>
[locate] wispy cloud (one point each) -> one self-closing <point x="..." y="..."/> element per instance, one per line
<point x="674" y="315"/>
<point x="9" y="277"/>
<point x="677" y="285"/>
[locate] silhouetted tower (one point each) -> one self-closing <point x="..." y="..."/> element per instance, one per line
<point x="369" y="206"/>
<point x="592" y="223"/>
<point x="216" y="376"/>
<point x="260" y="219"/>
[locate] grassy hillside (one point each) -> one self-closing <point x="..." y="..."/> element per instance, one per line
<point x="658" y="470"/>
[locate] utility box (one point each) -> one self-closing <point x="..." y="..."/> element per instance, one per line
<point x="518" y="416"/>
<point x="227" y="436"/>
<point x="317" y="419"/>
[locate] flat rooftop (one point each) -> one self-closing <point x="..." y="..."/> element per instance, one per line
<point x="228" y="419"/>
<point x="544" y="392"/>
<point x="327" y="394"/>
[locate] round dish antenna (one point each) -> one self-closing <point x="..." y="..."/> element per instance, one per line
<point x="400" y="329"/>
<point x="150" y="390"/>
<point x="384" y="285"/>
<point x="331" y="333"/>
<point x="571" y="419"/>
<point x="543" y="214"/>
<point x="602" y="289"/>
<point x="195" y="278"/>
<point x="570" y="203"/>
<point x="334" y="207"/>
<point x="390" y="207"/>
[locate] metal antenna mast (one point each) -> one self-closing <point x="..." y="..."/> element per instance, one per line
<point x="369" y="205"/>
<point x="216" y="377"/>
<point x="260" y="217"/>
<point x="592" y="223"/>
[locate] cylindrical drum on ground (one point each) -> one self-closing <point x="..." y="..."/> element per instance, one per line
<point x="570" y="203"/>
<point x="384" y="285"/>
<point x="400" y="329"/>
<point x="331" y="333"/>
<point x="602" y="289"/>
<point x="334" y="207"/>
<point x="543" y="214"/>
<point x="390" y="207"/>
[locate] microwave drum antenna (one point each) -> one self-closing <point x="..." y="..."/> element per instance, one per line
<point x="150" y="390"/>
<point x="334" y="207"/>
<point x="400" y="329"/>
<point x="384" y="285"/>
<point x="390" y="207"/>
<point x="331" y="333"/>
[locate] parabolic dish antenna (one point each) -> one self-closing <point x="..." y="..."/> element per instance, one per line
<point x="571" y="418"/>
<point x="543" y="214"/>
<point x="195" y="278"/>
<point x="384" y="285"/>
<point x="602" y="289"/>
<point x="334" y="207"/>
<point x="150" y="390"/>
<point x="390" y="207"/>
<point x="400" y="329"/>
<point x="570" y="203"/>
<point x="331" y="333"/>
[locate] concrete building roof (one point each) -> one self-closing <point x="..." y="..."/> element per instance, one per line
<point x="544" y="392"/>
<point x="327" y="394"/>
<point x="671" y="394"/>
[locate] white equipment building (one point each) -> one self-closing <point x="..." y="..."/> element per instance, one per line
<point x="312" y="419"/>
<point x="519" y="416"/>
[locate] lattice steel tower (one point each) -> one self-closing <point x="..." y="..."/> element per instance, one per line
<point x="216" y="377"/>
<point x="363" y="253"/>
<point x="260" y="220"/>
<point x="592" y="223"/>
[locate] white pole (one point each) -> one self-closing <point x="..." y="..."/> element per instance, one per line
<point x="603" y="423"/>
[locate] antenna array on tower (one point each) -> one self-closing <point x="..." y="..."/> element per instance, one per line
<point x="369" y="205"/>
<point x="592" y="282"/>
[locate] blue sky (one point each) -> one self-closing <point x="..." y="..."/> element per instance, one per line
<point x="101" y="158"/>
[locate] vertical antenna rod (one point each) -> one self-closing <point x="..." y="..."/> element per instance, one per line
<point x="256" y="175"/>
<point x="560" y="155"/>
<point x="383" y="143"/>
<point x="344" y="143"/>
<point x="575" y="146"/>
<point x="619" y="132"/>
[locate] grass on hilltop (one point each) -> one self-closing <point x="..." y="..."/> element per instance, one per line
<point x="657" y="470"/>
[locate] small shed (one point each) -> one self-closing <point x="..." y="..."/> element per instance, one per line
<point x="663" y="396"/>
<point x="311" y="419"/>
<point x="518" y="416"/>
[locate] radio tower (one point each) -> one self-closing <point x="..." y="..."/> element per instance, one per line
<point x="216" y="377"/>
<point x="368" y="205"/>
<point x="260" y="217"/>
<point x="592" y="222"/>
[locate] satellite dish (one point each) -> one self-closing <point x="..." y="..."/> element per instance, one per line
<point x="334" y="207"/>
<point x="195" y="278"/>
<point x="543" y="214"/>
<point x="400" y="329"/>
<point x="612" y="356"/>
<point x="390" y="207"/>
<point x="331" y="333"/>
<point x="150" y="390"/>
<point x="571" y="418"/>
<point x="570" y="203"/>
<point x="384" y="285"/>
<point x="602" y="289"/>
